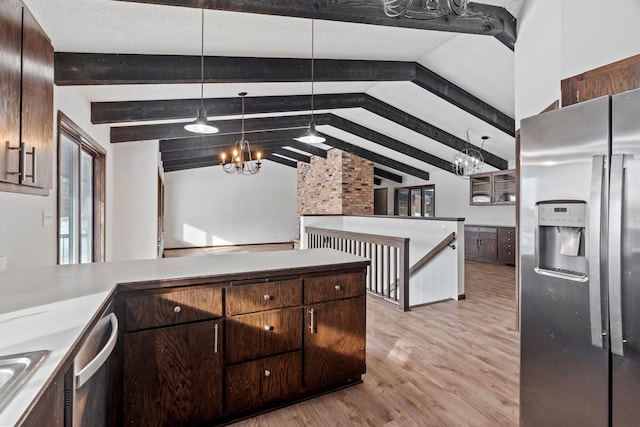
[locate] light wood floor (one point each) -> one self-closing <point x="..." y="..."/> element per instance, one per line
<point x="454" y="363"/>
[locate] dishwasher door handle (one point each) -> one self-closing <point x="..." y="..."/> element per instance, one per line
<point x="92" y="367"/>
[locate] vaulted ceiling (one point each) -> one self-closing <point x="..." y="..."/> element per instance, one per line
<point x="402" y="92"/>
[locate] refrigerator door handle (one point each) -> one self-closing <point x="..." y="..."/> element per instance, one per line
<point x="595" y="226"/>
<point x="615" y="253"/>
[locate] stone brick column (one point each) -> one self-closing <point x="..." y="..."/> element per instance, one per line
<point x="341" y="184"/>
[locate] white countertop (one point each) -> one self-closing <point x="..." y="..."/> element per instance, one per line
<point x="48" y="307"/>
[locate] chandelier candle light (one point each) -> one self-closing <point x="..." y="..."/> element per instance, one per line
<point x="468" y="161"/>
<point x="430" y="9"/>
<point x="241" y="161"/>
<point x="201" y="124"/>
<point x="311" y="136"/>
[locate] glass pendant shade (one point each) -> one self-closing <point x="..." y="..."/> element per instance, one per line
<point x="201" y="124"/>
<point x="311" y="136"/>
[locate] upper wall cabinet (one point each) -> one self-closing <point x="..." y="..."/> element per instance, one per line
<point x="26" y="97"/>
<point x="493" y="188"/>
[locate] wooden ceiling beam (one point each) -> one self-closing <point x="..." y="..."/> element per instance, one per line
<point x="210" y="156"/>
<point x="217" y="150"/>
<point x="376" y="158"/>
<point x="217" y="140"/>
<point x="226" y="127"/>
<point x="76" y="69"/>
<point x="109" y="112"/>
<point x="391" y="143"/>
<point x="430" y="131"/>
<point x="292" y="155"/>
<point x="282" y="161"/>
<point x="480" y="18"/>
<point x="89" y="68"/>
<point x="387" y="175"/>
<point x="172" y="109"/>
<point x="462" y="99"/>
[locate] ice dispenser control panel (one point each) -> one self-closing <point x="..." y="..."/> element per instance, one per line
<point x="562" y="214"/>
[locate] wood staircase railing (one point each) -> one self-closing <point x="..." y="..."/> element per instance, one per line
<point x="432" y="253"/>
<point x="388" y="274"/>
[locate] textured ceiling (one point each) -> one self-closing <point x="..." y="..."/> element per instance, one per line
<point x="481" y="65"/>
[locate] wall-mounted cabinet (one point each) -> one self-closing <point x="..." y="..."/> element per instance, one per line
<point x="26" y="89"/>
<point x="493" y="188"/>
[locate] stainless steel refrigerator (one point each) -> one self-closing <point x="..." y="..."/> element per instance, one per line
<point x="580" y="264"/>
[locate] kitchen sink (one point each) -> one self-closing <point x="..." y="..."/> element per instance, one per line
<point x="15" y="370"/>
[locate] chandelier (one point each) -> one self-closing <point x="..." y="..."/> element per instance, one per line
<point x="241" y="160"/>
<point x="468" y="161"/>
<point x="201" y="124"/>
<point x="427" y="9"/>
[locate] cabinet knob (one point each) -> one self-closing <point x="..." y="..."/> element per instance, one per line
<point x="268" y="328"/>
<point x="267" y="297"/>
<point x="267" y="373"/>
<point x="177" y="309"/>
<point x="337" y="287"/>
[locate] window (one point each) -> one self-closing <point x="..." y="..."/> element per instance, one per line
<point x="81" y="195"/>
<point x="415" y="201"/>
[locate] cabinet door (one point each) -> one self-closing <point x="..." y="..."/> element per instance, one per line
<point x="48" y="410"/>
<point x="10" y="41"/>
<point x="37" y="104"/>
<point x="471" y="245"/>
<point x="264" y="333"/>
<point x="488" y="246"/>
<point x="262" y="381"/>
<point x="334" y="342"/>
<point x="173" y="375"/>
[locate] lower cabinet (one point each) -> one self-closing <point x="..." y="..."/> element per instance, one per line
<point x="334" y="342"/>
<point x="201" y="354"/>
<point x="492" y="244"/>
<point x="255" y="383"/>
<point x="173" y="375"/>
<point x="50" y="407"/>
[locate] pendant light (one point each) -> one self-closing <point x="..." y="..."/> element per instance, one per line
<point x="201" y="124"/>
<point x="311" y="136"/>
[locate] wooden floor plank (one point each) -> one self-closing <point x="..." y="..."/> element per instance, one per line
<point x="453" y="363"/>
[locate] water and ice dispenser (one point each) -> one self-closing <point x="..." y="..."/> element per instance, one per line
<point x="560" y="240"/>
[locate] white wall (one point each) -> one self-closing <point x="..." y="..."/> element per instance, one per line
<point x="537" y="57"/>
<point x="452" y="200"/>
<point x="596" y="33"/>
<point x="23" y="238"/>
<point x="557" y="40"/>
<point x="135" y="200"/>
<point x="131" y="191"/>
<point x="208" y="207"/>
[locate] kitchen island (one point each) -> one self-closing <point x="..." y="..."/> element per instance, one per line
<point x="54" y="307"/>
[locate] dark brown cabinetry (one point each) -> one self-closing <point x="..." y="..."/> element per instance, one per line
<point x="491" y="244"/>
<point x="26" y="88"/>
<point x="215" y="352"/>
<point x="49" y="409"/>
<point x="507" y="245"/>
<point x="173" y="358"/>
<point x="334" y="336"/>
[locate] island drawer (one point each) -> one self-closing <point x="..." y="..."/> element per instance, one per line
<point x="250" y="336"/>
<point x="250" y="298"/>
<point x="333" y="287"/>
<point x="261" y="381"/>
<point x="172" y="307"/>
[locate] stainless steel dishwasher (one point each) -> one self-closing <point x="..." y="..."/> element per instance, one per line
<point x="90" y="381"/>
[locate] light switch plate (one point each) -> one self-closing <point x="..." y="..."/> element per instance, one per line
<point x="47" y="218"/>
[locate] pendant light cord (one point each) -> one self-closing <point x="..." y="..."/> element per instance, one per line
<point x="312" y="75"/>
<point x="242" y="134"/>
<point x="202" y="60"/>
